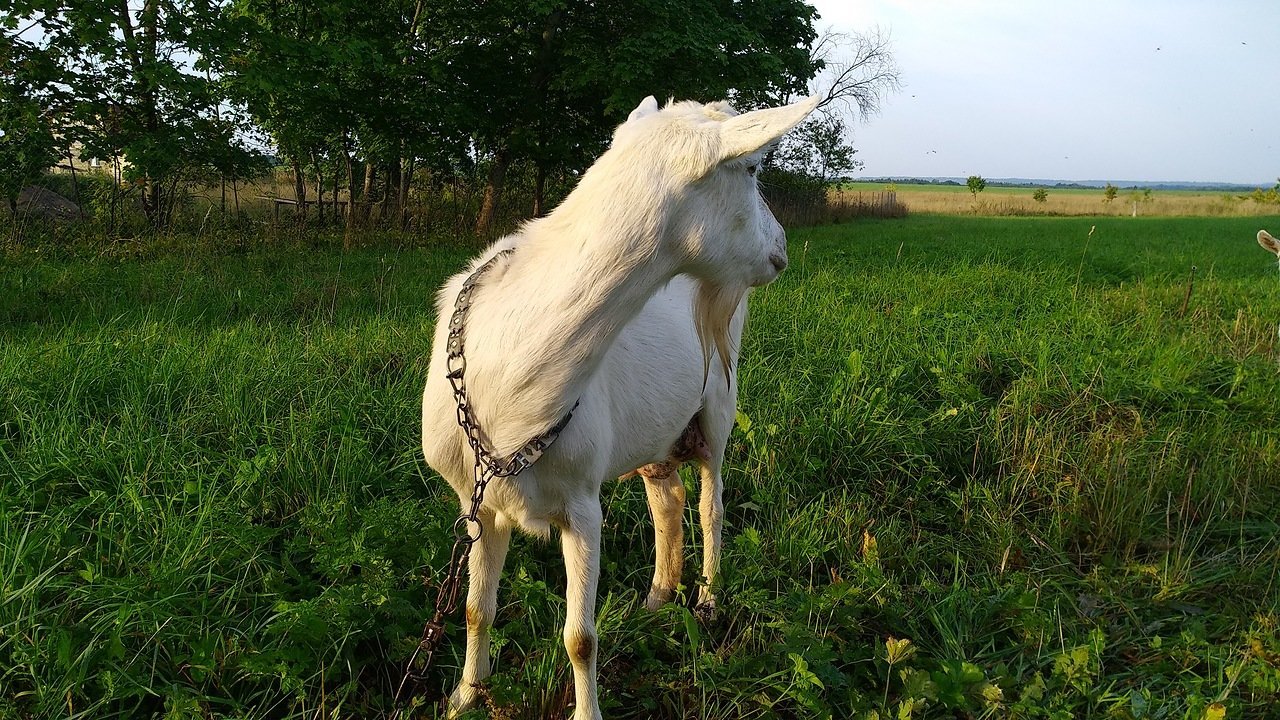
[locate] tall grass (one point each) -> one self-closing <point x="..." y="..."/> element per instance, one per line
<point x="1008" y="201"/>
<point x="436" y="206"/>
<point x="976" y="434"/>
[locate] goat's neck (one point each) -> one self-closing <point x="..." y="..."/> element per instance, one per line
<point x="566" y="293"/>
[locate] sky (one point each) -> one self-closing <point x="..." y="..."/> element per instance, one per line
<point x="1126" y="90"/>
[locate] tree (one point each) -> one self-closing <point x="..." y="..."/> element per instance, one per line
<point x="27" y="143"/>
<point x="1138" y="195"/>
<point x="563" y="74"/>
<point x="1040" y="195"/>
<point x="817" y="148"/>
<point x="976" y="185"/>
<point x="1109" y="193"/>
<point x="27" y="147"/>
<point x="452" y="86"/>
<point x="854" y="72"/>
<point x="1266" y="197"/>
<point x="131" y="84"/>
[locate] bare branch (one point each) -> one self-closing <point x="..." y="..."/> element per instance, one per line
<point x="859" y="71"/>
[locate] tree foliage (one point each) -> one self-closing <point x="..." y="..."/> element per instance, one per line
<point x="174" y="91"/>
<point x="27" y="143"/>
<point x="976" y="184"/>
<point x="818" y="148"/>
<point x="129" y="84"/>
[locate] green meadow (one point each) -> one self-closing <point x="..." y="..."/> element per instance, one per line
<point x="984" y="468"/>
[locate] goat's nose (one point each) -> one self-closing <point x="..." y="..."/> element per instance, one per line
<point x="779" y="261"/>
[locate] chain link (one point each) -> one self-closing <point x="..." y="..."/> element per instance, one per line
<point x="487" y="466"/>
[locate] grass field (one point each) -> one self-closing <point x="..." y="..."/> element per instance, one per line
<point x="1006" y="201"/>
<point x="985" y="467"/>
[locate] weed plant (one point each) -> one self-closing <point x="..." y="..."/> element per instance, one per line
<point x="981" y="469"/>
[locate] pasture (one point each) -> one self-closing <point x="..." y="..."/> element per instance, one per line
<point x="1018" y="201"/>
<point x="1003" y="440"/>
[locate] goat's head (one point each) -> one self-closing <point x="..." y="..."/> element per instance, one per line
<point x="705" y="158"/>
<point x="708" y="157"/>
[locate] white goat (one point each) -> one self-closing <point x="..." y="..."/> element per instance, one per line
<point x="615" y="301"/>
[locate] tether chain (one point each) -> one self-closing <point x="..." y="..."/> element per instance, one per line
<point x="487" y="467"/>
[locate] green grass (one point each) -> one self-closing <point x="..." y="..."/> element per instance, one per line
<point x="1000" y="439"/>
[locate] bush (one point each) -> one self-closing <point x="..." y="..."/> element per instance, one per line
<point x="796" y="198"/>
<point x="89" y="189"/>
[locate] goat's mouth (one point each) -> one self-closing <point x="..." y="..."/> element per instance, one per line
<point x="778" y="261"/>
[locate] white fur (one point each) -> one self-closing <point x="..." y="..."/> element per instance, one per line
<point x="615" y="300"/>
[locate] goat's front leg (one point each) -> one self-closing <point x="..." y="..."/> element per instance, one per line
<point x="711" y="514"/>
<point x="485" y="568"/>
<point x="580" y="541"/>
<point x="666" y="504"/>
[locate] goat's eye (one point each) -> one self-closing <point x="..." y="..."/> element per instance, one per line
<point x="751" y="169"/>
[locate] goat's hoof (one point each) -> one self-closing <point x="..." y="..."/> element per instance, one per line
<point x="657" y="598"/>
<point x="706" y="611"/>
<point x="465" y="697"/>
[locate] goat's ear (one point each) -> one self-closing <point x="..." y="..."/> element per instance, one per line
<point x="1268" y="242"/>
<point x="744" y="134"/>
<point x="647" y="106"/>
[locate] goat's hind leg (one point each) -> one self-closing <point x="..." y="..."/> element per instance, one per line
<point x="665" y="491"/>
<point x="485" y="568"/>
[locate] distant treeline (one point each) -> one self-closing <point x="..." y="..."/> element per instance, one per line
<point x="1072" y="185"/>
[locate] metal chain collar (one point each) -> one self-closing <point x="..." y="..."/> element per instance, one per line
<point x="487" y="466"/>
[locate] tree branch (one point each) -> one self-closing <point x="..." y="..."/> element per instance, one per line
<point x="862" y="71"/>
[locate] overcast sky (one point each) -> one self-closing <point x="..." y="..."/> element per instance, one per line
<point x="1075" y="90"/>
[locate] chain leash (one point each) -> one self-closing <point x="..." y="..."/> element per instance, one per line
<point x="487" y="466"/>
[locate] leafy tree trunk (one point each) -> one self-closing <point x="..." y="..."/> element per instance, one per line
<point x="406" y="180"/>
<point x="299" y="192"/>
<point x="351" y="182"/>
<point x="319" y="188"/>
<point x="152" y="204"/>
<point x="115" y="190"/>
<point x="493" y="191"/>
<point x="366" y="197"/>
<point x="539" y="190"/>
<point x="75" y="182"/>
<point x="319" y="198"/>
<point x="351" y="189"/>
<point x="391" y="192"/>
